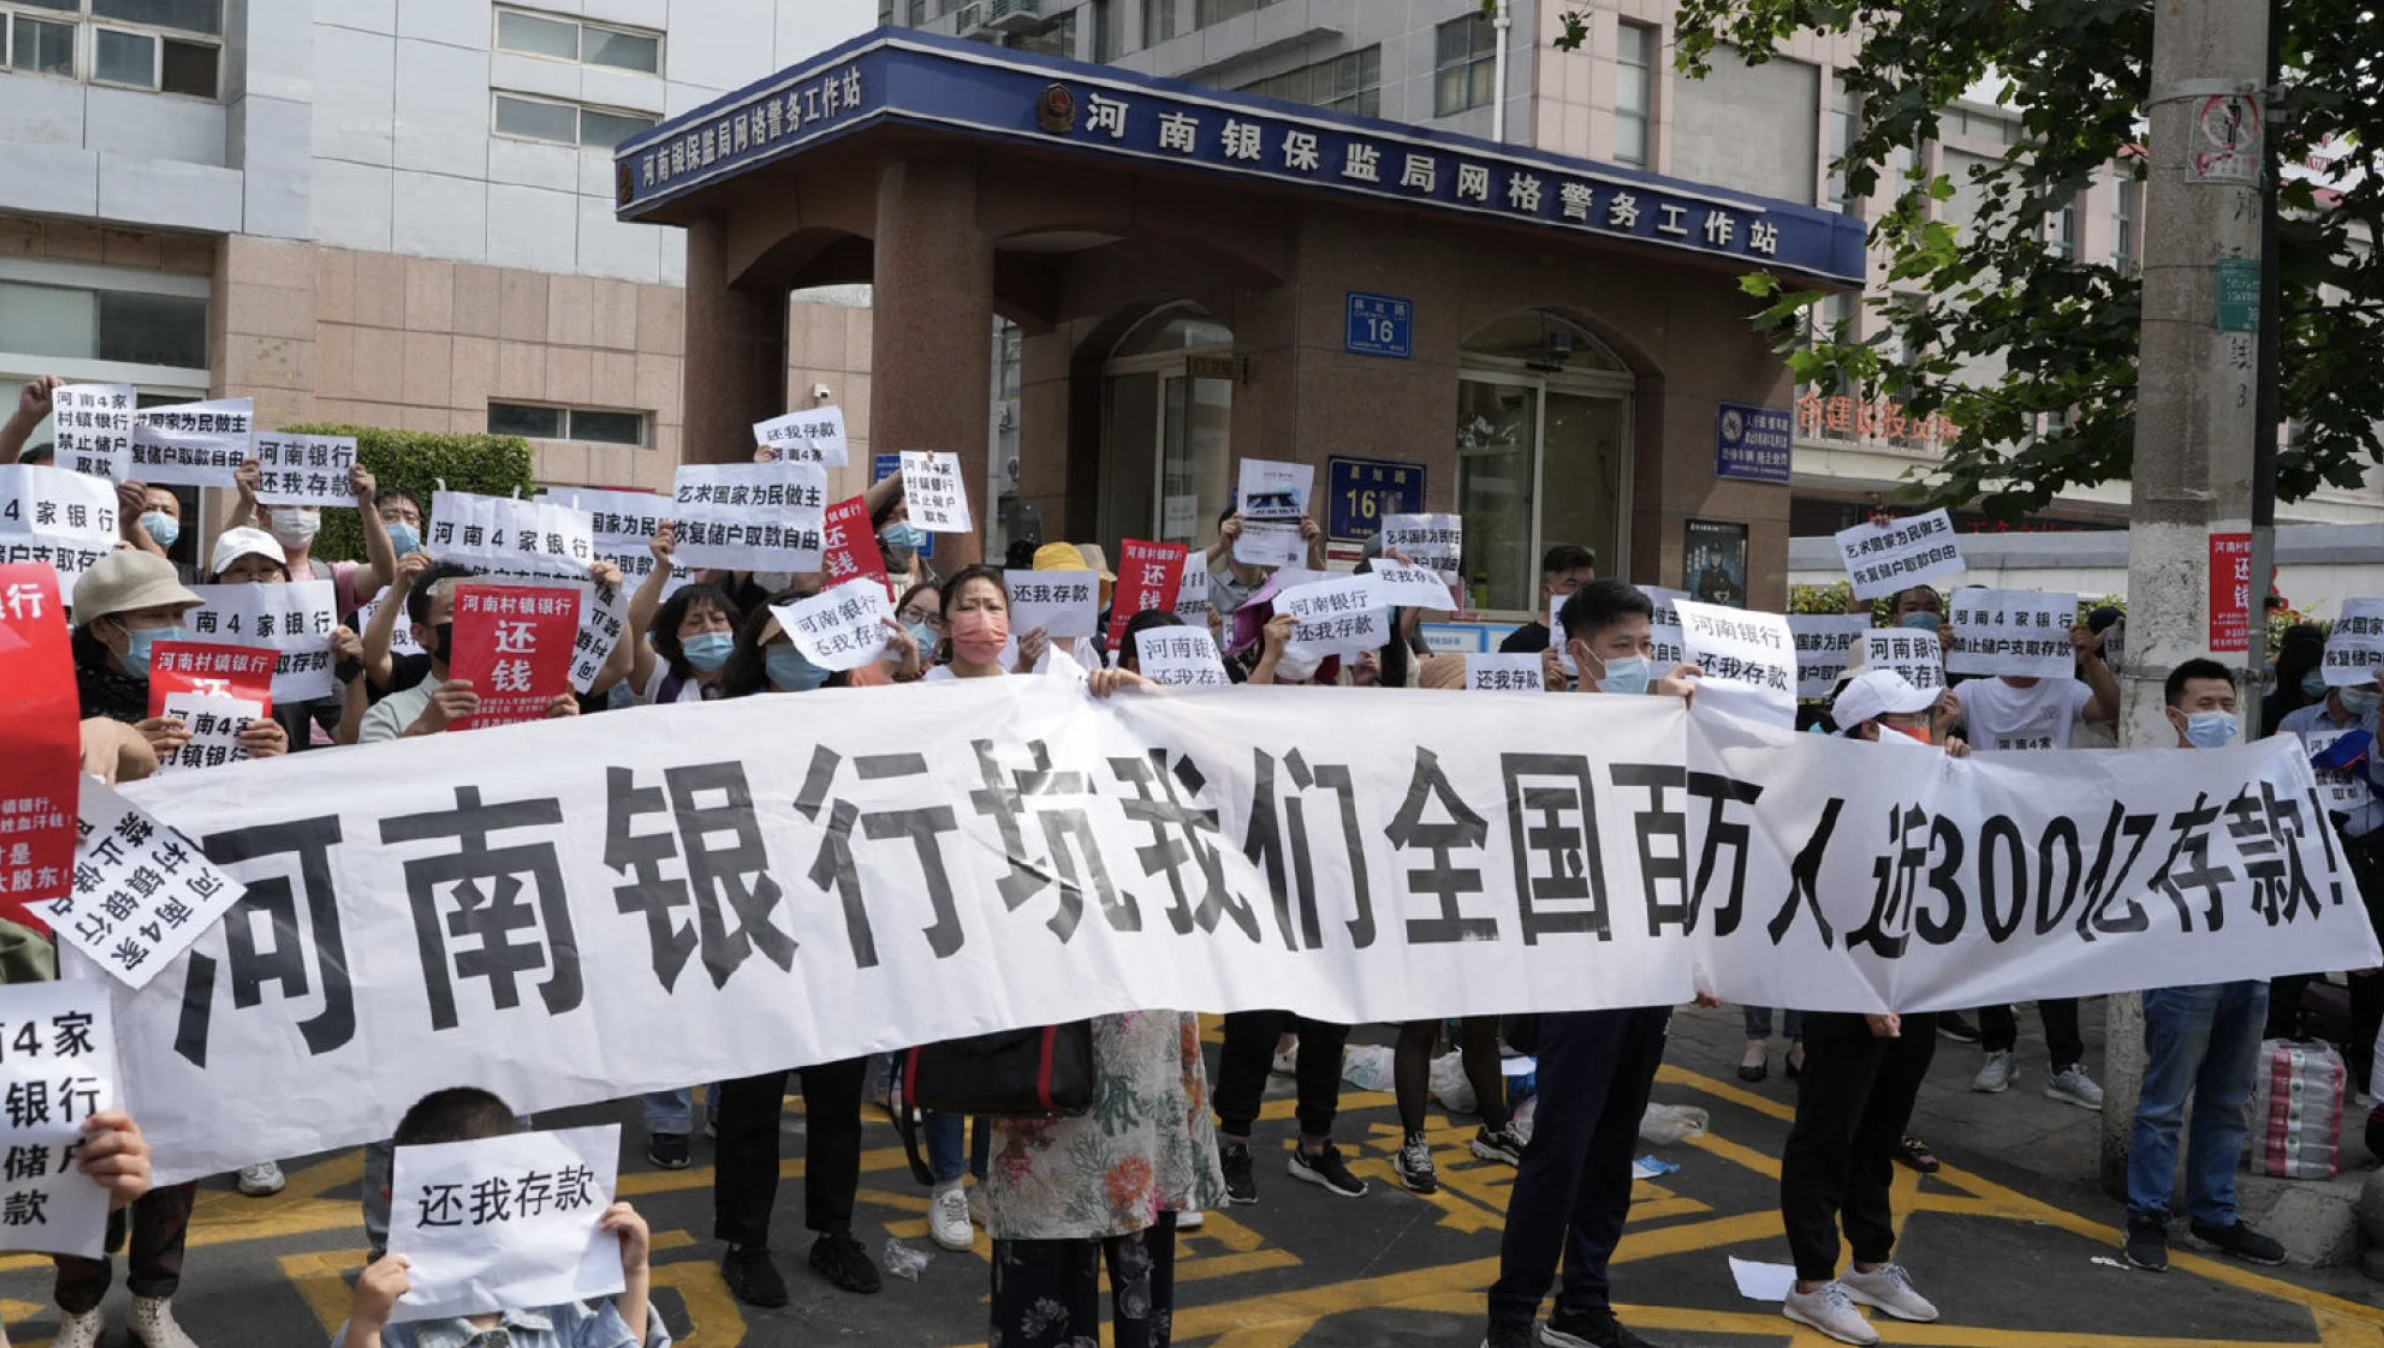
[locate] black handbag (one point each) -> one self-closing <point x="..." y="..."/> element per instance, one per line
<point x="1042" y="1072"/>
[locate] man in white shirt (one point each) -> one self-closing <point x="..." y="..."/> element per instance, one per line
<point x="2346" y="713"/>
<point x="437" y="702"/>
<point x="2009" y="713"/>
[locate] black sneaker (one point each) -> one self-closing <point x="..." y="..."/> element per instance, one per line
<point x="2240" y="1241"/>
<point x="667" y="1151"/>
<point x="844" y="1261"/>
<point x="752" y="1278"/>
<point x="2148" y="1246"/>
<point x="1570" y="1328"/>
<point x="1507" y="1336"/>
<point x="1325" y="1168"/>
<point x="1953" y="1025"/>
<point x="1241" y="1186"/>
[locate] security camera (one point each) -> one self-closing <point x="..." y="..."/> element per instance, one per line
<point x="820" y="393"/>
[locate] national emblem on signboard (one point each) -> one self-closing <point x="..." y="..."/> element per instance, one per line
<point x="624" y="185"/>
<point x="1056" y="109"/>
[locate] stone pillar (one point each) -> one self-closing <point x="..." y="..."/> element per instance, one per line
<point x="931" y="350"/>
<point x="735" y="370"/>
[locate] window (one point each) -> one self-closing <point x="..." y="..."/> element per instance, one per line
<point x="1465" y="64"/>
<point x="2126" y="204"/>
<point x="1350" y="83"/>
<point x="2064" y="227"/>
<point x="1109" y="41"/>
<point x="85" y="323"/>
<point x="1158" y="22"/>
<point x="138" y="44"/>
<point x="594" y="425"/>
<point x="1634" y="92"/>
<point x="1218" y="11"/>
<point x="561" y="38"/>
<point x="566" y="123"/>
<point x="1056" y="38"/>
<point x="1845" y="123"/>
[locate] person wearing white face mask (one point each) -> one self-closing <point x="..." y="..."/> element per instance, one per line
<point x="295" y="527"/>
<point x="2202" y="1042"/>
<point x="2339" y="731"/>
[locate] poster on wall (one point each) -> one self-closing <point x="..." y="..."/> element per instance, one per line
<point x="1714" y="562"/>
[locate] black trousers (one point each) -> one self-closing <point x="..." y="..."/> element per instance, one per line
<point x="1250" y="1050"/>
<point x="1047" y="1293"/>
<point x="745" y="1181"/>
<point x="153" y="1265"/>
<point x="1573" y="1190"/>
<point x="1999" y="1029"/>
<point x="1852" y="1104"/>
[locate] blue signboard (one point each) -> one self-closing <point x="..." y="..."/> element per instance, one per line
<point x="1359" y="492"/>
<point x="894" y="77"/>
<point x="883" y="466"/>
<point x="1380" y="325"/>
<point x="1754" y="444"/>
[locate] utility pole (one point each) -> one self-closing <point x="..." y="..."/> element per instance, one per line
<point x="2196" y="399"/>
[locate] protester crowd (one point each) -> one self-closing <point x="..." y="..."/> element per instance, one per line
<point x="1047" y="1191"/>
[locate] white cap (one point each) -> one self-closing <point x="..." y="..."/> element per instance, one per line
<point x="1875" y="693"/>
<point x="234" y="544"/>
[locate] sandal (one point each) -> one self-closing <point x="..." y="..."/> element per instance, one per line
<point x="1915" y="1153"/>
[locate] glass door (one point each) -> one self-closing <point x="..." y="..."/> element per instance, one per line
<point x="1498" y="426"/>
<point x="1196" y="481"/>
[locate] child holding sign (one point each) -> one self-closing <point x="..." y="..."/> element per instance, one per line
<point x="466" y="1114"/>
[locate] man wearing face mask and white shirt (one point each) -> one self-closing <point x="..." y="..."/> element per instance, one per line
<point x="2347" y="712"/>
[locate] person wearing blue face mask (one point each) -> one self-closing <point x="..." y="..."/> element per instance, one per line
<point x="689" y="636"/>
<point x="2338" y="728"/>
<point x="123" y="606"/>
<point x="160" y="521"/>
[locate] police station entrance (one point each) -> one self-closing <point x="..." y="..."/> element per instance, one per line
<point x="1167" y="428"/>
<point x="1543" y="436"/>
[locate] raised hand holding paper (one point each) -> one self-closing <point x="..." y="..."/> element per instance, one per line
<point x="2018" y="632"/>
<point x="93" y="429"/>
<point x="1742" y="650"/>
<point x="1180" y="657"/>
<point x="815" y="435"/>
<point x="198" y="444"/>
<point x="305" y="470"/>
<point x="751" y="516"/>
<point x="1335" y="617"/>
<point x="505" y="1222"/>
<point x="938" y="499"/>
<point x="1884" y="556"/>
<point x="1061" y="603"/>
<point x="842" y="628"/>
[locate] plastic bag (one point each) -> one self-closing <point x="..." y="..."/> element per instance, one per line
<point x="1663" y="1124"/>
<point x="1367" y="1066"/>
<point x="2295" y="1115"/>
<point x="904" y="1262"/>
<point x="1450" y="1085"/>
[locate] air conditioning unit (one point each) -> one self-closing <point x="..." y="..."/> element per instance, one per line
<point x="1013" y="16"/>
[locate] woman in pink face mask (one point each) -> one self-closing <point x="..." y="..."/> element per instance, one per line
<point x="977" y="628"/>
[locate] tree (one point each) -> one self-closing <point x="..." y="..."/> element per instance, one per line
<point x="1998" y="289"/>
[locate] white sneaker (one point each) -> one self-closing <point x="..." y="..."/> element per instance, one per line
<point x="1995" y="1077"/>
<point x="2071" y="1086"/>
<point x="1829" y="1310"/>
<point x="261" y="1180"/>
<point x="1888" y="1288"/>
<point x="1184" y="1221"/>
<point x="948" y="1220"/>
<point x="80" y="1331"/>
<point x="153" y="1325"/>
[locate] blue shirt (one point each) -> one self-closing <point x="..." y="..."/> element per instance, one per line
<point x="570" y="1325"/>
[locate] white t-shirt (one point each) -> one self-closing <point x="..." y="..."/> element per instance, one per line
<point x="393" y="715"/>
<point x="2002" y="717"/>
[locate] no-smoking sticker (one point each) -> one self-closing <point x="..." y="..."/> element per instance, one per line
<point x="2227" y="139"/>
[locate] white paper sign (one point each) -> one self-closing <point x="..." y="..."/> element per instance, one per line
<point x="1335" y="617"/>
<point x="401" y="637"/>
<point x="1885" y="557"/>
<point x="622" y="525"/>
<point x="505" y="1222"/>
<point x="1180" y="657"/>
<point x="304" y="470"/>
<point x="1738" y="648"/>
<point x="196" y="444"/>
<point x="813" y="436"/>
<point x="1908" y="651"/>
<point x="2355" y="648"/>
<point x="1433" y="541"/>
<point x="1275" y="491"/>
<point x="215" y="724"/>
<point x="1400" y="586"/>
<point x="2019" y="632"/>
<point x="1275" y="543"/>
<point x="938" y="499"/>
<point x="1564" y="646"/>
<point x="498" y="535"/>
<point x="1825" y="645"/>
<point x="1192" y="596"/>
<point x="750" y="516"/>
<point x="1505" y="674"/>
<point x="1062" y="603"/>
<point x="60" y="1069"/>
<point x="842" y="628"/>
<point x="1664" y="630"/>
<point x="295" y="619"/>
<point x="68" y="519"/>
<point x="92" y="429"/>
<point x="142" y="894"/>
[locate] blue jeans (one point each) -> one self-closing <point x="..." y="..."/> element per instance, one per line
<point x="2203" y="1041"/>
<point x="674" y="1111"/>
<point x="1758" y="1019"/>
<point x="944" y="1160"/>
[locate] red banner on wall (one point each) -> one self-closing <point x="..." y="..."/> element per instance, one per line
<point x="513" y="643"/>
<point x="849" y="548"/>
<point x="2230" y="592"/>
<point x="243" y="672"/>
<point x="41" y="747"/>
<point x="1149" y="575"/>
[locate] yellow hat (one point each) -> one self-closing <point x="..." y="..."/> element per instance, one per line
<point x="1059" y="557"/>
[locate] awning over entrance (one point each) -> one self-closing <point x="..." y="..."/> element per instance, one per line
<point x="901" y="78"/>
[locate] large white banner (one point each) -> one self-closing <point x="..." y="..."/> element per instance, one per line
<point x="579" y="910"/>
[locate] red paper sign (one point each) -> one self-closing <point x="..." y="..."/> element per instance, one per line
<point x="1149" y="575"/>
<point x="2230" y="592"/>
<point x="849" y="548"/>
<point x="513" y="642"/>
<point x="41" y="744"/>
<point x="243" y="672"/>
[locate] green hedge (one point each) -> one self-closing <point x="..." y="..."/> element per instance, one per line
<point x="492" y="465"/>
